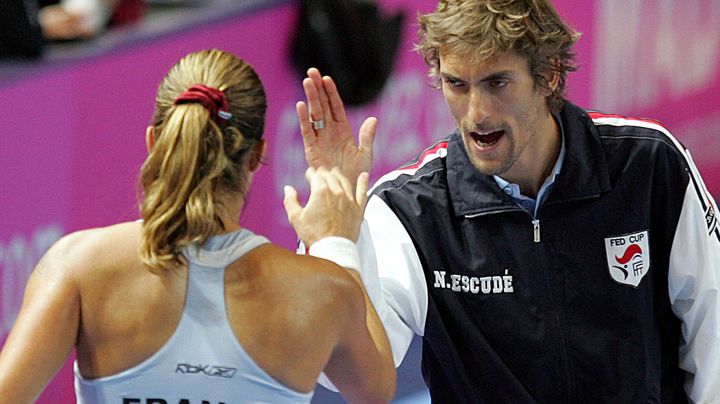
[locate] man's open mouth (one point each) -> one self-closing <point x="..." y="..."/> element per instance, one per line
<point x="485" y="139"/>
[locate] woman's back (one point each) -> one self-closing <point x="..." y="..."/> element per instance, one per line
<point x="240" y="320"/>
<point x="160" y="336"/>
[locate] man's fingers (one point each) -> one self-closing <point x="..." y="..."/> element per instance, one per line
<point x="291" y="203"/>
<point x="332" y="179"/>
<point x="344" y="183"/>
<point x="361" y="189"/>
<point x="318" y="180"/>
<point x="310" y="173"/>
<point x="367" y="134"/>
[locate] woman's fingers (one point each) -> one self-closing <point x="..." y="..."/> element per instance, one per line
<point x="306" y="129"/>
<point x="316" y="111"/>
<point x="336" y="106"/>
<point x="323" y="110"/>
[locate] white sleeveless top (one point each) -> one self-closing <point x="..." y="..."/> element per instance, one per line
<point x="202" y="362"/>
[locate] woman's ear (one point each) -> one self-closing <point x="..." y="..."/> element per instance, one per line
<point x="150" y="137"/>
<point x="258" y="155"/>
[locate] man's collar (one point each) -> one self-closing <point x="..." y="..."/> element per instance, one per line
<point x="583" y="175"/>
<point x="513" y="189"/>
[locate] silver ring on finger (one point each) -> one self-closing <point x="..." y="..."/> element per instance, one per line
<point x="319" y="124"/>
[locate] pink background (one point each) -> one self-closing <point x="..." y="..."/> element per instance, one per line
<point x="73" y="134"/>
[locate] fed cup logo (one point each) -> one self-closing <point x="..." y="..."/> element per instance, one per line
<point x="628" y="257"/>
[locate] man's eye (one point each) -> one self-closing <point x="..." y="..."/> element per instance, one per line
<point x="453" y="82"/>
<point x="498" y="83"/>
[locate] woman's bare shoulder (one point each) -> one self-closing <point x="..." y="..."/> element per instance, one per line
<point x="286" y="263"/>
<point x="302" y="275"/>
<point x="76" y="253"/>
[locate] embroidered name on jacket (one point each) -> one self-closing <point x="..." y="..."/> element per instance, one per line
<point x="628" y="257"/>
<point x="473" y="284"/>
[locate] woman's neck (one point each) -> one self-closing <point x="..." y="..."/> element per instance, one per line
<point x="229" y="210"/>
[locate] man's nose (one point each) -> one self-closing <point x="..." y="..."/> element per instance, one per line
<point x="479" y="107"/>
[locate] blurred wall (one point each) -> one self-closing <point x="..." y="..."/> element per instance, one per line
<point x="72" y="131"/>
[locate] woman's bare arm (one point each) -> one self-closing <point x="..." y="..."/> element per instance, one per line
<point x="45" y="330"/>
<point x="361" y="366"/>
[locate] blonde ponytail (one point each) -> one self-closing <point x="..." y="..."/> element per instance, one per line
<point x="198" y="159"/>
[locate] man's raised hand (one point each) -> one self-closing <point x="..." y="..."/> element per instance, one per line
<point x="335" y="207"/>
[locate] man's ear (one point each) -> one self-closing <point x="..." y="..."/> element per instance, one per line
<point x="554" y="81"/>
<point x="258" y="155"/>
<point x="553" y="76"/>
<point x="150" y="137"/>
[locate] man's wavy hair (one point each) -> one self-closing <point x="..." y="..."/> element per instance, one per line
<point x="481" y="29"/>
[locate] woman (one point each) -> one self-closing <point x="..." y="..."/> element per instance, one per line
<point x="187" y="306"/>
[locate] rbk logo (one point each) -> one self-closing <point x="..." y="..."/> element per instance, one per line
<point x="216" y="371"/>
<point x="628" y="257"/>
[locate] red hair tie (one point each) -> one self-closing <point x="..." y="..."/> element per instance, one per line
<point x="211" y="98"/>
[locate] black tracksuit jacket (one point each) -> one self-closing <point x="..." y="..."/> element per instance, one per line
<point x="609" y="295"/>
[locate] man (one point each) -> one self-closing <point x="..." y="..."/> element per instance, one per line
<point x="544" y="253"/>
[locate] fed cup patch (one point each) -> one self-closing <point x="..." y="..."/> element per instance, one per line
<point x="628" y="257"/>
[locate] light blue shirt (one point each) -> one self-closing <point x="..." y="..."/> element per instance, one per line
<point x="202" y="361"/>
<point x="529" y="204"/>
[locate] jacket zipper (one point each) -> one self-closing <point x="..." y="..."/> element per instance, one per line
<point x="535" y="222"/>
<point x="565" y="363"/>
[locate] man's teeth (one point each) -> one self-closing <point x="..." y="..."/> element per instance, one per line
<point x="488" y="138"/>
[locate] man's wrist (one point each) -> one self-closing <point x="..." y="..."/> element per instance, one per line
<point x="339" y="250"/>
